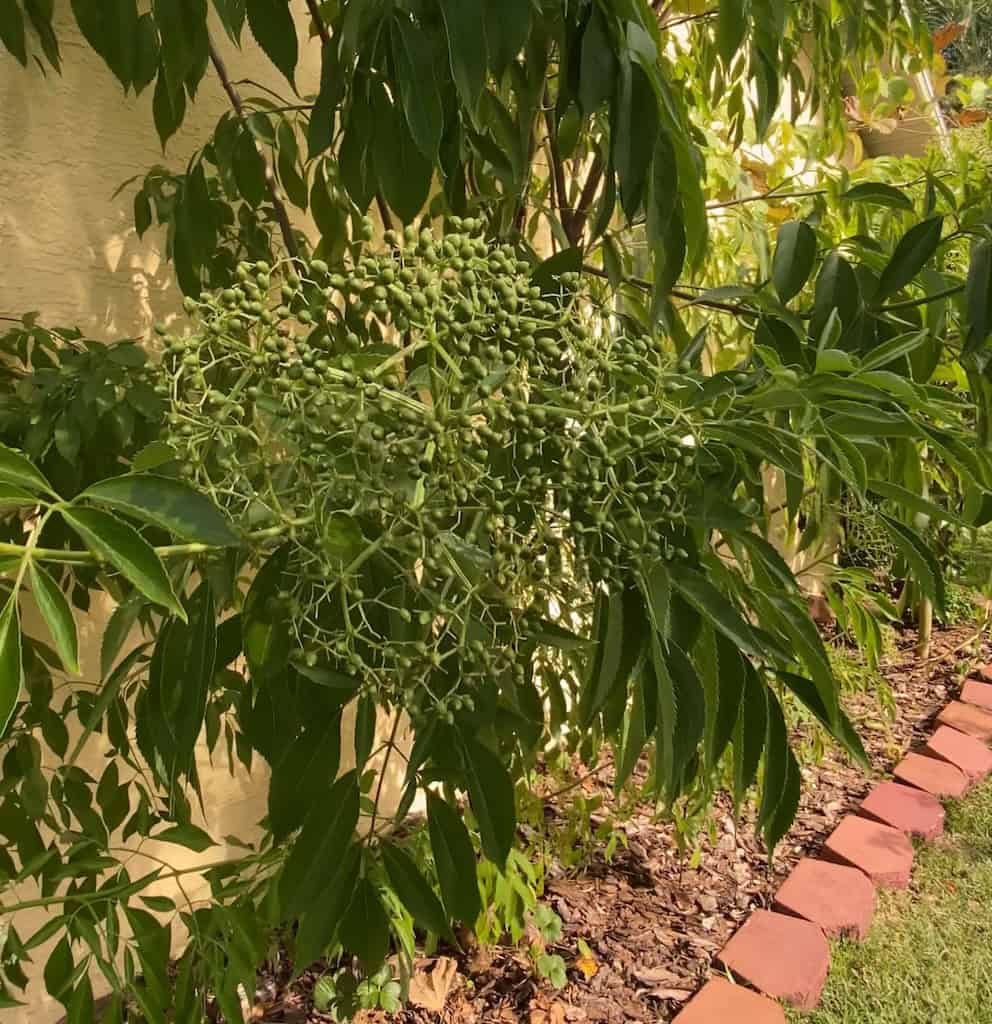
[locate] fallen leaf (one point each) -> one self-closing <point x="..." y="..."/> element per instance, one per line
<point x="429" y="990"/>
<point x="588" y="966"/>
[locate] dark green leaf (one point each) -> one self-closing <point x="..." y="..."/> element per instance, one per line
<point x="365" y="719"/>
<point x="168" y="110"/>
<point x="59" y="970"/>
<point x="403" y="171"/>
<point x="271" y="23"/>
<point x="292" y="180"/>
<point x="12" y="497"/>
<point x="921" y="560"/>
<point x="907" y="499"/>
<point x="911" y="255"/>
<point x="507" y="28"/>
<point x="58" y="616"/>
<point x="618" y="632"/>
<point x="978" y="295"/>
<point x="836" y="289"/>
<point x="633" y="737"/>
<point x="320" y="131"/>
<point x="118" y="627"/>
<point x="715" y="606"/>
<point x="491" y="791"/>
<point x="322" y="916"/>
<point x="142" y="213"/>
<point x="879" y="194"/>
<point x="844" y="732"/>
<point x="893" y="349"/>
<point x="415" y="63"/>
<point x="598" y="72"/>
<point x="454" y="859"/>
<point x="125" y="549"/>
<point x="12" y="30"/>
<point x="414" y="891"/>
<point x="635" y="133"/>
<point x="781" y="785"/>
<point x="731" y="27"/>
<point x="249" y="171"/>
<point x="795" y="255"/>
<point x="326" y="834"/>
<point x="466" y="49"/>
<point x="11" y="667"/>
<point x="749" y="733"/>
<point x="303" y="775"/>
<point x="364" y="929"/>
<point x="168" y="503"/>
<point x="729" y="692"/>
<point x="191" y="836"/>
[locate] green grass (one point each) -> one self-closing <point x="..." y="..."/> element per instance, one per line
<point x="928" y="959"/>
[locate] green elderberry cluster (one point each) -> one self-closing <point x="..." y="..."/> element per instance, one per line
<point x="449" y="449"/>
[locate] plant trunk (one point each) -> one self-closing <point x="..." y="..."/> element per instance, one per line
<point x="924" y="615"/>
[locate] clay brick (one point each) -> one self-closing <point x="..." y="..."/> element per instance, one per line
<point x="782" y="956"/>
<point x="932" y="776"/>
<point x="841" y="900"/>
<point x="965" y="752"/>
<point x="983" y="672"/>
<point x="967" y="718"/>
<point x="979" y="694"/>
<point x="884" y="854"/>
<point x="720" y="1002"/>
<point x="906" y="809"/>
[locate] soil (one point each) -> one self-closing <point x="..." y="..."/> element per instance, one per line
<point x="653" y="919"/>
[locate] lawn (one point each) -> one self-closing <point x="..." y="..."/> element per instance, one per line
<point x="928" y="959"/>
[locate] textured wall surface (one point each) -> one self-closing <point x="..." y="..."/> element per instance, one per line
<point x="68" y="248"/>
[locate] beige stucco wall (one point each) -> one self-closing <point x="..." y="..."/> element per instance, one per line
<point x="68" y="249"/>
<point x="67" y="246"/>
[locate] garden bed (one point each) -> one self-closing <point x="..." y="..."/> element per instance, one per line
<point x="651" y="918"/>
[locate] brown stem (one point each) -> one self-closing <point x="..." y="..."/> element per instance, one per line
<point x="282" y="216"/>
<point x="558" y="172"/>
<point x="589" y="191"/>
<point x="646" y="286"/>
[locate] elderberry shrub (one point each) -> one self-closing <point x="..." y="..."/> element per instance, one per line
<point x="448" y="452"/>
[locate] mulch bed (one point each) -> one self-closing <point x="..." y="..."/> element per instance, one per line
<point x="654" y="919"/>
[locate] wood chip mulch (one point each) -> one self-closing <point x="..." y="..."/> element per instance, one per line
<point x="654" y="919"/>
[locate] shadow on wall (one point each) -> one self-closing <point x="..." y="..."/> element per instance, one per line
<point x="68" y="247"/>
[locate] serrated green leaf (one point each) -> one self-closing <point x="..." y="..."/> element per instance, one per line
<point x="978" y="295"/>
<point x="921" y="560"/>
<point x="127" y="551"/>
<point x="404" y="173"/>
<point x="168" y="503"/>
<point x="717" y="608"/>
<point x="12" y="33"/>
<point x="618" y="632"/>
<point x="749" y="733"/>
<point x="18" y="470"/>
<point x="271" y="23"/>
<point x="842" y="731"/>
<point x="57" y="615"/>
<point x="454" y="860"/>
<point x="907" y="499"/>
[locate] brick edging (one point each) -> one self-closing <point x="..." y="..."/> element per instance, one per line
<point x="783" y="953"/>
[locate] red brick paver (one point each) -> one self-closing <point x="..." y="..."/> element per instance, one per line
<point x="782" y="956"/>
<point x="722" y="1002"/>
<point x="841" y="900"/>
<point x="884" y="854"/>
<point x="907" y="809"/>
<point x="965" y="752"/>
<point x="932" y="776"/>
<point x="967" y="718"/>
<point x="979" y="694"/>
